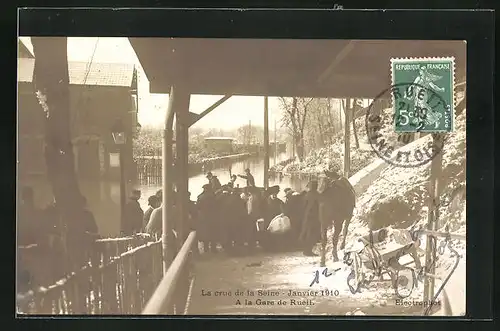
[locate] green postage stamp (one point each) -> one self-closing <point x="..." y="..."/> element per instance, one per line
<point x="423" y="94"/>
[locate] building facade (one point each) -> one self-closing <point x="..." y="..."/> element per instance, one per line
<point x="100" y="95"/>
<point x="223" y="145"/>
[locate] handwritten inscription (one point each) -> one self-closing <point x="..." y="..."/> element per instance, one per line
<point x="325" y="273"/>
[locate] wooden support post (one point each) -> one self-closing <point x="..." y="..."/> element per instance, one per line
<point x="182" y="175"/>
<point x="167" y="181"/>
<point x="347" y="138"/>
<point x="433" y="214"/>
<point x="275" y="144"/>
<point x="178" y="99"/>
<point x="266" y="143"/>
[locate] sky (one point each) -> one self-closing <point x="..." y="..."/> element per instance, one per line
<point x="233" y="113"/>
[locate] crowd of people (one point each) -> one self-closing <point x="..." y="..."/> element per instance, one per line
<point x="42" y="226"/>
<point x="47" y="239"/>
<point x="226" y="217"/>
<point x="235" y="219"/>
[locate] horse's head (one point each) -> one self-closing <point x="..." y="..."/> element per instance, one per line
<point x="332" y="175"/>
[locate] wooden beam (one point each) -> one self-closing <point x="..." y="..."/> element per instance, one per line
<point x="266" y="142"/>
<point x="347" y="138"/>
<point x="207" y="111"/>
<point x="336" y="61"/>
<point x="433" y="214"/>
<point x="367" y="85"/>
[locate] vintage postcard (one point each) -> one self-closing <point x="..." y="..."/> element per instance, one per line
<point x="241" y="176"/>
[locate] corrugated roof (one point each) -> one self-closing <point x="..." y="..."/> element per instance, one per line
<point x="100" y="74"/>
<point x="219" y="138"/>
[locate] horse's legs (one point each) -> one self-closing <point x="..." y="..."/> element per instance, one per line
<point x="344" y="233"/>
<point x="323" y="244"/>
<point x="335" y="239"/>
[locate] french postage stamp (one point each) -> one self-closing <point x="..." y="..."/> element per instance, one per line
<point x="427" y="104"/>
<point x="395" y="147"/>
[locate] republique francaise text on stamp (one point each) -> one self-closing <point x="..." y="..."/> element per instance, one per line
<point x="428" y="102"/>
<point x="418" y="105"/>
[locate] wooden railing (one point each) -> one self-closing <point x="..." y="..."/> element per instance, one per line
<point x="172" y="296"/>
<point x="108" y="284"/>
<point x="46" y="265"/>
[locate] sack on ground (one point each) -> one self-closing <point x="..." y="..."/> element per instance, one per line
<point x="279" y="224"/>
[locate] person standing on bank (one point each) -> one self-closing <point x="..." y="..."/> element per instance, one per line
<point x="249" y="177"/>
<point x="153" y="203"/>
<point x="311" y="227"/>
<point x="134" y="214"/>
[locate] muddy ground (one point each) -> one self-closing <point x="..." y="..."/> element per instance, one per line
<point x="224" y="286"/>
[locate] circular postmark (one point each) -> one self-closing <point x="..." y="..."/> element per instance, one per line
<point x="414" y="109"/>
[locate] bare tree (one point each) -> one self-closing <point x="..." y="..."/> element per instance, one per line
<point x="353" y="112"/>
<point x="294" y="117"/>
<point x="349" y="105"/>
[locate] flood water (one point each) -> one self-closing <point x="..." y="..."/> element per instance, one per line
<point x="256" y="166"/>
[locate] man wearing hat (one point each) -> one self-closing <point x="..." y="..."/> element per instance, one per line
<point x="311" y="228"/>
<point x="132" y="221"/>
<point x="207" y="217"/>
<point x="288" y="193"/>
<point x="249" y="177"/>
<point x="293" y="208"/>
<point x="213" y="181"/>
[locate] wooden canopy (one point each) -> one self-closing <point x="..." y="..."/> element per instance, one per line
<point x="281" y="67"/>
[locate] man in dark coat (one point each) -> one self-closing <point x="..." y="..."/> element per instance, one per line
<point x="294" y="209"/>
<point x="225" y="218"/>
<point x="153" y="203"/>
<point x="214" y="182"/>
<point x="133" y="214"/>
<point x="273" y="205"/>
<point x="232" y="181"/>
<point x="206" y="211"/>
<point x="238" y="213"/>
<point x="311" y="227"/>
<point x="249" y="177"/>
<point x="273" y="208"/>
<point x="255" y="211"/>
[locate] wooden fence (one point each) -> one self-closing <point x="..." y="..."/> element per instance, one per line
<point x="149" y="170"/>
<point x="149" y="167"/>
<point x="44" y="265"/>
<point x="108" y="284"/>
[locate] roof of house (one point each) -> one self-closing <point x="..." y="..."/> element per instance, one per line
<point x="219" y="138"/>
<point x="81" y="73"/>
<point x="24" y="50"/>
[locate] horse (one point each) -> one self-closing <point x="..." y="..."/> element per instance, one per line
<point x="336" y="205"/>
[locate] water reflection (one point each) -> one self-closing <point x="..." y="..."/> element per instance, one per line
<point x="256" y="166"/>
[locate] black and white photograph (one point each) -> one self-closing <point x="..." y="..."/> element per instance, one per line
<point x="205" y="176"/>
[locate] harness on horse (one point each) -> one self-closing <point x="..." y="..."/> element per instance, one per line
<point x="342" y="182"/>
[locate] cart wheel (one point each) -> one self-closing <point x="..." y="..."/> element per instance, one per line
<point x="404" y="282"/>
<point x="356" y="277"/>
